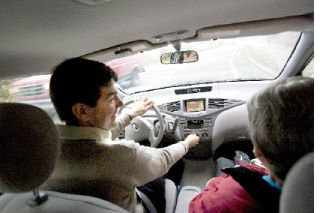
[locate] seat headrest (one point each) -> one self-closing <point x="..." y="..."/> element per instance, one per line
<point x="29" y="146"/>
<point x="298" y="189"/>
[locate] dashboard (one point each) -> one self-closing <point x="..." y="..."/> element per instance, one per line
<point x="214" y="112"/>
<point x="197" y="116"/>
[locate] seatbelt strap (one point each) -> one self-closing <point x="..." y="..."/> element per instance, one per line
<point x="146" y="201"/>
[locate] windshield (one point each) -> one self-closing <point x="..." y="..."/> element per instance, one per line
<point x="235" y="59"/>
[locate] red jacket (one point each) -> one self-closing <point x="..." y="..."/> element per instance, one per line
<point x="224" y="194"/>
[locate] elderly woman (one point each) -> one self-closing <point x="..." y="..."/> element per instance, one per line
<point x="281" y="126"/>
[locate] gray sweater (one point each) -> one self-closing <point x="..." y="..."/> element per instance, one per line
<point x="92" y="163"/>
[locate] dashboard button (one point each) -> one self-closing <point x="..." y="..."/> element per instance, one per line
<point x="204" y="135"/>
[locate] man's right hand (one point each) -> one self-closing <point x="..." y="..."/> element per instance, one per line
<point x="141" y="105"/>
<point x="192" y="140"/>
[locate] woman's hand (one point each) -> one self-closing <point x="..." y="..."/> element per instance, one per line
<point x="258" y="163"/>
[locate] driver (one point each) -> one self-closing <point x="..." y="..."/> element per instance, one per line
<point x="91" y="161"/>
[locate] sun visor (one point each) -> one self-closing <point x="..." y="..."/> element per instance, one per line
<point x="254" y="28"/>
<point x="122" y="50"/>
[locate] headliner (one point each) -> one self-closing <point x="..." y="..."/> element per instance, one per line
<point x="38" y="34"/>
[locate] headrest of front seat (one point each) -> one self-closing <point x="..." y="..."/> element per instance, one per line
<point x="29" y="146"/>
<point x="298" y="189"/>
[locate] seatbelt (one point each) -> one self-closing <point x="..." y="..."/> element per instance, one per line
<point x="146" y="201"/>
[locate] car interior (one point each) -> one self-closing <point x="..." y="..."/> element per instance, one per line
<point x="199" y="61"/>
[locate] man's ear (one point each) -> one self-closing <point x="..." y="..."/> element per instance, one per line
<point x="81" y="112"/>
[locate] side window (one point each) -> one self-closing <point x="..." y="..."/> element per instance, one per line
<point x="308" y="70"/>
<point x="33" y="90"/>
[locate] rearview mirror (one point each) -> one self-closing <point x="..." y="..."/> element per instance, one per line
<point x="179" y="57"/>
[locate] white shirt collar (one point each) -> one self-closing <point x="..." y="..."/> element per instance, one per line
<point x="78" y="133"/>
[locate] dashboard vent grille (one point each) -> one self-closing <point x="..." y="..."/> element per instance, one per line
<point x="174" y="106"/>
<point x="219" y="103"/>
<point x="162" y="107"/>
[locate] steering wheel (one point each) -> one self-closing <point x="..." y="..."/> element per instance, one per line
<point x="141" y="129"/>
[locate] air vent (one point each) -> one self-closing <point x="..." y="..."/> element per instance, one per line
<point x="162" y="107"/>
<point x="219" y="103"/>
<point x="174" y="106"/>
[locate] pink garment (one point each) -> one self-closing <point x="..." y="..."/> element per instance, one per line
<point x="224" y="194"/>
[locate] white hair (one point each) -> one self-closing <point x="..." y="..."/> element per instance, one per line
<point x="281" y="122"/>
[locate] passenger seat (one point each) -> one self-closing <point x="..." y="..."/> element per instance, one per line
<point x="298" y="189"/>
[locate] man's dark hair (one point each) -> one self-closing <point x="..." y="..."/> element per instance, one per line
<point x="78" y="80"/>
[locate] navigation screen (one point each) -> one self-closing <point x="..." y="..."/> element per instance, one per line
<point x="195" y="106"/>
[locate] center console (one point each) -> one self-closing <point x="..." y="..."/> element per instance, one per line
<point x="195" y="120"/>
<point x="197" y="116"/>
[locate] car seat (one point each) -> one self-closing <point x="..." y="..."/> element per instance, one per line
<point x="29" y="146"/>
<point x="298" y="189"/>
